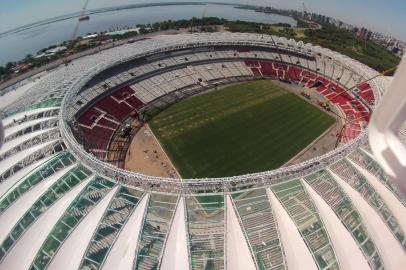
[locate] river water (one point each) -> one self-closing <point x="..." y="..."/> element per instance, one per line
<point x="14" y="47"/>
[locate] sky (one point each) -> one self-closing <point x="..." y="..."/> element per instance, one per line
<point x="385" y="16"/>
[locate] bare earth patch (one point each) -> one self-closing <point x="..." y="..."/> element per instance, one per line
<point x="146" y="156"/>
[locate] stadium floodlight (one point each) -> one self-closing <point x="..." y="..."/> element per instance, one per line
<point x="384" y="127"/>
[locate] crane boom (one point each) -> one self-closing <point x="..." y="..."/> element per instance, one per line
<point x="82" y="13"/>
<point x="66" y="59"/>
<point x="340" y="135"/>
<point x="203" y="15"/>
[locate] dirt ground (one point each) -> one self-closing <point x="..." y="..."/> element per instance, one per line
<point x="146" y="156"/>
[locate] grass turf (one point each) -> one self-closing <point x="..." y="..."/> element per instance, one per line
<point x="244" y="128"/>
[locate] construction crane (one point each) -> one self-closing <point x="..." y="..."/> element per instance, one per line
<point x="331" y="100"/>
<point x="203" y="15"/>
<point x="340" y="134"/>
<point x="365" y="81"/>
<point x="191" y="24"/>
<point x="71" y="42"/>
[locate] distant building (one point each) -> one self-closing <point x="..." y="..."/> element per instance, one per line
<point x="125" y="31"/>
<point x="364" y="33"/>
<point x="56" y="50"/>
<point x="90" y="36"/>
<point x="21" y="67"/>
<point x="321" y="18"/>
<point x="394" y="45"/>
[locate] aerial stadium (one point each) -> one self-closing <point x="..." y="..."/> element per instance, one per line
<point x="199" y="151"/>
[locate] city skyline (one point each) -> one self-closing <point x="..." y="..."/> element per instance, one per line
<point x="391" y="19"/>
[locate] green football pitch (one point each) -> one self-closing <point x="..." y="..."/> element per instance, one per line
<point x="245" y="128"/>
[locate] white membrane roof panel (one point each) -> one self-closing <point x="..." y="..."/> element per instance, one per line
<point x="123" y="252"/>
<point x="32" y="240"/>
<point x="238" y="255"/>
<point x="21" y="115"/>
<point x="20" y="156"/>
<point x="14" y="129"/>
<point x="391" y="251"/>
<point x="10" y="183"/>
<point x="347" y="251"/>
<point x="176" y="255"/>
<point x="19" y="140"/>
<point x="69" y="256"/>
<point x="16" y="210"/>
<point x="297" y="254"/>
<point x="395" y="206"/>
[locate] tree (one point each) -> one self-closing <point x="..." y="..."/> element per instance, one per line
<point x="9" y="66"/>
<point x="3" y="70"/>
<point x="143" y="31"/>
<point x="28" y="58"/>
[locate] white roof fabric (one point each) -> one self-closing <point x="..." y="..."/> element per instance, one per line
<point x="19" y="91"/>
<point x="11" y="182"/>
<point x="238" y="255"/>
<point x="122" y="254"/>
<point x="396" y="207"/>
<point x="238" y="248"/>
<point x="39" y="231"/>
<point x="12" y="214"/>
<point x="391" y="251"/>
<point x="19" y="140"/>
<point x="20" y="156"/>
<point x="176" y="255"/>
<point x="69" y="256"/>
<point x="298" y="256"/>
<point x="14" y="129"/>
<point x="21" y="115"/>
<point x="347" y="251"/>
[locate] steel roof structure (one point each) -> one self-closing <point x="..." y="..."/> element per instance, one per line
<point x="63" y="208"/>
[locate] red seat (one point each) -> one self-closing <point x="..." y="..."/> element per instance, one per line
<point x="88" y="117"/>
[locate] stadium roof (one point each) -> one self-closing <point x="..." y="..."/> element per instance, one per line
<point x="62" y="208"/>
